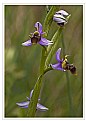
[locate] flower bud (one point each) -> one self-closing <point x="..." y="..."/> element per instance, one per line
<point x="61" y="17"/>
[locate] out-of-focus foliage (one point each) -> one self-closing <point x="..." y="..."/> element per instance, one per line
<point x="22" y="63"/>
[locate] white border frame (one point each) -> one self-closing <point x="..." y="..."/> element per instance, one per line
<point x="2" y="63"/>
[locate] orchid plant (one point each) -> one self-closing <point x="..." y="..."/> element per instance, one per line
<point x="50" y="47"/>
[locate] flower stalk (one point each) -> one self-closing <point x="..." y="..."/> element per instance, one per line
<point x="35" y="95"/>
<point x="49" y="18"/>
<point x="36" y="92"/>
<point x="38" y="85"/>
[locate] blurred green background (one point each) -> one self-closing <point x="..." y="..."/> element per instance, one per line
<point x="22" y="63"/>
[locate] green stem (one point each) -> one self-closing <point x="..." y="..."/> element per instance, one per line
<point x="54" y="39"/>
<point x="37" y="87"/>
<point x="49" y="18"/>
<point x="68" y="84"/>
<point x="32" y="105"/>
<point x="46" y="27"/>
<point x="43" y="58"/>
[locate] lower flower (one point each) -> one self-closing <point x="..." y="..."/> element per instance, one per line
<point x="26" y="104"/>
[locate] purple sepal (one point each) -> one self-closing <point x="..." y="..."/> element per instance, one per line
<point x="27" y="43"/>
<point x="62" y="12"/>
<point x="41" y="107"/>
<point x="58" y="66"/>
<point x="23" y="103"/>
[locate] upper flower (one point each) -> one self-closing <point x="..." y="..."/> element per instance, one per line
<point x="25" y="104"/>
<point x="36" y="37"/>
<point x="61" y="17"/>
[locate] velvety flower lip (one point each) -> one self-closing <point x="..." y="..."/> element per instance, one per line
<point x="25" y="104"/>
<point x="61" y="17"/>
<point x="58" y="66"/>
<point x="36" y="37"/>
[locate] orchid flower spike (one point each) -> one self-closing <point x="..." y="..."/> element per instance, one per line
<point x="61" y="17"/>
<point x="63" y="64"/>
<point x="26" y="104"/>
<point x="36" y="37"/>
